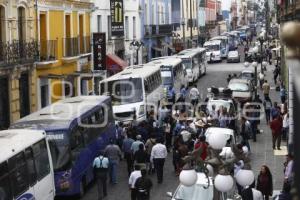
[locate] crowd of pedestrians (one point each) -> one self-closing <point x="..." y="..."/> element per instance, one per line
<point x="145" y="145"/>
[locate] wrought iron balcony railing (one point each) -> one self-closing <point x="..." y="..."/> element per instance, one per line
<point x="48" y="50"/>
<point x="155" y="30"/>
<point x="85" y="44"/>
<point x="165" y="29"/>
<point x="18" y="52"/>
<point x="71" y="47"/>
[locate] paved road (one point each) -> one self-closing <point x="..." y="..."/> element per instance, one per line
<point x="262" y="152"/>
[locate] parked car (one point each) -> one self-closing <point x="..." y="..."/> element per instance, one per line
<point x="248" y="74"/>
<point x="233" y="56"/>
<point x="242" y="90"/>
<point x="196" y="191"/>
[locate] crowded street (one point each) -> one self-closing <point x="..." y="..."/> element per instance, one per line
<point x="261" y="150"/>
<point x="149" y="100"/>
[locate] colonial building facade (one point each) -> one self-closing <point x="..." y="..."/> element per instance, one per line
<point x="121" y="45"/>
<point x="184" y="19"/>
<point x="18" y="52"/>
<point x="64" y="67"/>
<point x="156" y="28"/>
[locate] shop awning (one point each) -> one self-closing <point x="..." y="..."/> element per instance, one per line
<point x="114" y="63"/>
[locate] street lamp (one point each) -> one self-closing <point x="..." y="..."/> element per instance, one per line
<point x="136" y="45"/>
<point x="215" y="168"/>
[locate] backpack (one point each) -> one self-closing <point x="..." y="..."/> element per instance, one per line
<point x="100" y="169"/>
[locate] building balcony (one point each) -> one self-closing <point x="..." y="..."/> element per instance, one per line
<point x="71" y="48"/>
<point x="158" y="30"/>
<point x="48" y="51"/>
<point x="85" y="45"/>
<point x="18" y="52"/>
<point x="165" y="29"/>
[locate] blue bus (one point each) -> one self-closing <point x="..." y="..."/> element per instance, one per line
<point x="77" y="129"/>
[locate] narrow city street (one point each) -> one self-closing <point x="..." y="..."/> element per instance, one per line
<point x="261" y="151"/>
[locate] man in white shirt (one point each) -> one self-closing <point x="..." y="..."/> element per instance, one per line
<point x="132" y="179"/>
<point x="194" y="95"/>
<point x="158" y="155"/>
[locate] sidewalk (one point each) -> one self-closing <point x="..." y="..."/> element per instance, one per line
<point x="262" y="152"/>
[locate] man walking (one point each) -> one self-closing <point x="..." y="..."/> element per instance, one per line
<point x="143" y="186"/>
<point x="276" y="127"/>
<point x="266" y="89"/>
<point x="158" y="155"/>
<point x="126" y="148"/>
<point x="135" y="145"/>
<point x="100" y="165"/>
<point x="132" y="179"/>
<point x="194" y="96"/>
<point x="113" y="152"/>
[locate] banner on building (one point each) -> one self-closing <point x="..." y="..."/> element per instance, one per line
<point x="99" y="47"/>
<point x="117" y="17"/>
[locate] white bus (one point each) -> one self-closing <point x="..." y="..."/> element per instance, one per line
<point x="134" y="91"/>
<point x="213" y="52"/>
<point x="26" y="170"/>
<point x="224" y="45"/>
<point x="172" y="72"/>
<point x="194" y="63"/>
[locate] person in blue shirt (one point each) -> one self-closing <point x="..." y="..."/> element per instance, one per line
<point x="275" y="111"/>
<point x="180" y="125"/>
<point x="100" y="165"/>
<point x="182" y="94"/>
<point x="171" y="94"/>
<point x="126" y="148"/>
<point x="282" y="93"/>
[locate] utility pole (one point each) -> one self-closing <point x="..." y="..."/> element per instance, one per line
<point x="191" y="23"/>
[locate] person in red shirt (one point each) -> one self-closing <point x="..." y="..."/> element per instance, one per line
<point x="203" y="145"/>
<point x="276" y="127"/>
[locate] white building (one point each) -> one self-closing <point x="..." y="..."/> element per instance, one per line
<point x="132" y="26"/>
<point x="120" y="46"/>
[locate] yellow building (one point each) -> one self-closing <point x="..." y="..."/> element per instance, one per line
<point x="18" y="52"/>
<point x="64" y="69"/>
<point x="186" y="34"/>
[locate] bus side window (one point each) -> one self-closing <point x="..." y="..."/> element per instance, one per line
<point x="41" y="158"/>
<point x="5" y="186"/>
<point x="146" y="86"/>
<point x="30" y="166"/>
<point x="18" y="174"/>
<point x="76" y="138"/>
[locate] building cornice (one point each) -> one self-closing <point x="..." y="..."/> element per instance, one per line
<point x="82" y="5"/>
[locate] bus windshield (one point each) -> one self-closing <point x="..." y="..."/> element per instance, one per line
<point x="60" y="151"/>
<point x="187" y="63"/>
<point x="213" y="47"/>
<point x="125" y="91"/>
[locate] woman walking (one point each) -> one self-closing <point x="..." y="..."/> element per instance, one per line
<point x="265" y="182"/>
<point x="268" y="107"/>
